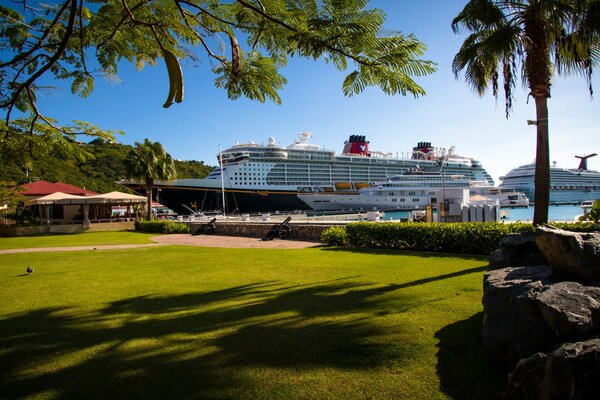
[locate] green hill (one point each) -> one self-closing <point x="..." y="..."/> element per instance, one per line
<point x="99" y="173"/>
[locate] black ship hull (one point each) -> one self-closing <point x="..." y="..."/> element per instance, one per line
<point x="236" y="201"/>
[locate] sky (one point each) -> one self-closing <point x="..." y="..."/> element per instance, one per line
<point x="450" y="114"/>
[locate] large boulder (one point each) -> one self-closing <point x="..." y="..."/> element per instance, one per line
<point x="516" y="250"/>
<point x="571" y="252"/>
<point x="572" y="372"/>
<point x="570" y="309"/>
<point x="513" y="325"/>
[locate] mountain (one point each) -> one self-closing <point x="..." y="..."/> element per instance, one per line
<point x="98" y="173"/>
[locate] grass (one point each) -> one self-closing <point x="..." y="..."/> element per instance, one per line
<point x="76" y="239"/>
<point x="184" y="322"/>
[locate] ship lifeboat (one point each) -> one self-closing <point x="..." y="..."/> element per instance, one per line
<point x="361" y="185"/>
<point x="343" y="185"/>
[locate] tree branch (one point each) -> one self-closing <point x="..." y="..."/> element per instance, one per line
<point x="51" y="62"/>
<point x="198" y="36"/>
<point x="277" y="21"/>
<point x="22" y="56"/>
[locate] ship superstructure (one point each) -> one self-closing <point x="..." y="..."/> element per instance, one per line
<point x="415" y="189"/>
<point x="567" y="186"/>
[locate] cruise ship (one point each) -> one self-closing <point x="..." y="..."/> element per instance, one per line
<point x="415" y="189"/>
<point x="567" y="186"/>
<point x="255" y="177"/>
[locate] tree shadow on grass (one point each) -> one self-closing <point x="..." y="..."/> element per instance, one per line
<point x="193" y="345"/>
<point x="466" y="369"/>
<point x="401" y="252"/>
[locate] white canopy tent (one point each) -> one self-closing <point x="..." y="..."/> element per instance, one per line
<point x="59" y="198"/>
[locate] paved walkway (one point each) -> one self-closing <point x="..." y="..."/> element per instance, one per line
<point x="185" y="240"/>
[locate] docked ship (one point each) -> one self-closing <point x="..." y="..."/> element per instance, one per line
<point x="414" y="189"/>
<point x="256" y="178"/>
<point x="567" y="185"/>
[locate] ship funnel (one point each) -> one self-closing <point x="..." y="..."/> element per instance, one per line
<point x="357" y="144"/>
<point x="583" y="162"/>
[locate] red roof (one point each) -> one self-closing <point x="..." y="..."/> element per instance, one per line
<point x="43" y="188"/>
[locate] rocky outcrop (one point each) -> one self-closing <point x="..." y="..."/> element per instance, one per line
<point x="570" y="309"/>
<point x="545" y="319"/>
<point x="572" y="371"/>
<point x="513" y="326"/>
<point x="571" y="252"/>
<point x="517" y="250"/>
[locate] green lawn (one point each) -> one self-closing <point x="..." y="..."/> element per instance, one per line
<point x="76" y="239"/>
<point x="176" y="322"/>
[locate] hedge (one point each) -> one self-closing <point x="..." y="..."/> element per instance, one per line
<point x="467" y="237"/>
<point x="162" y="226"/>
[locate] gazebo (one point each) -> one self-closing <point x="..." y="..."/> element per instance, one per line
<point x="77" y="208"/>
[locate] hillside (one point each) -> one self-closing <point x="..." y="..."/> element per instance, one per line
<point x="99" y="173"/>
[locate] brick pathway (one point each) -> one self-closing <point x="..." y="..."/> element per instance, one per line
<point x="185" y="240"/>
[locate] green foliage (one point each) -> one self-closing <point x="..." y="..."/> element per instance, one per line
<point x="192" y="169"/>
<point x="76" y="41"/>
<point x="8" y="195"/>
<point x="335" y="236"/>
<point x="464" y="238"/>
<point x="162" y="226"/>
<point x="577" y="226"/>
<point x="149" y="162"/>
<point x="22" y="216"/>
<point x="100" y="171"/>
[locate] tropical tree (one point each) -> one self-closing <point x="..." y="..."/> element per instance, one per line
<point x="528" y="40"/>
<point x="79" y="40"/>
<point x="149" y="162"/>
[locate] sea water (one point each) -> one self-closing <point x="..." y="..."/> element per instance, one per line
<point x="523" y="214"/>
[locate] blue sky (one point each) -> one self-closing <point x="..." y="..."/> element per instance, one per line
<point x="451" y="114"/>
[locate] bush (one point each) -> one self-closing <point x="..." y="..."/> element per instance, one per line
<point x="577" y="226"/>
<point x="162" y="227"/>
<point x="335" y="236"/>
<point x="467" y="238"/>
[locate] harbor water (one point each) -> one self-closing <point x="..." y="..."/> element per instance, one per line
<point x="523" y="214"/>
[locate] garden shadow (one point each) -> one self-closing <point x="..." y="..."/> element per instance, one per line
<point x="192" y="345"/>
<point x="401" y="252"/>
<point x="466" y="369"/>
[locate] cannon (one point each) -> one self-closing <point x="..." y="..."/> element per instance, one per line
<point x="206" y="229"/>
<point x="282" y="230"/>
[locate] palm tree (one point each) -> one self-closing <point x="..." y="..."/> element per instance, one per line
<point x="528" y="40"/>
<point x="149" y="161"/>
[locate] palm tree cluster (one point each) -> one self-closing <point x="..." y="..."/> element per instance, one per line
<point x="149" y="162"/>
<point x="530" y="41"/>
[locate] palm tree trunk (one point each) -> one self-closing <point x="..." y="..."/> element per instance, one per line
<point x="542" y="163"/>
<point x="149" y="201"/>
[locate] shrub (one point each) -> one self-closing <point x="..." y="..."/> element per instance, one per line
<point x="335" y="236"/>
<point x="466" y="238"/>
<point x="577" y="226"/>
<point x="162" y="226"/>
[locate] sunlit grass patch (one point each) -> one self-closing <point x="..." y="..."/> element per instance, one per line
<point x="76" y="239"/>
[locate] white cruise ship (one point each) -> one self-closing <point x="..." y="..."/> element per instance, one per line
<point x="567" y="186"/>
<point x="255" y="177"/>
<point x="415" y="189"/>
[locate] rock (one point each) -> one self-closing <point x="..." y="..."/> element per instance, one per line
<point x="525" y="382"/>
<point x="513" y="325"/>
<point x="516" y="250"/>
<point x="571" y="252"/>
<point x="572" y="371"/>
<point x="570" y="309"/>
<point x="513" y="240"/>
